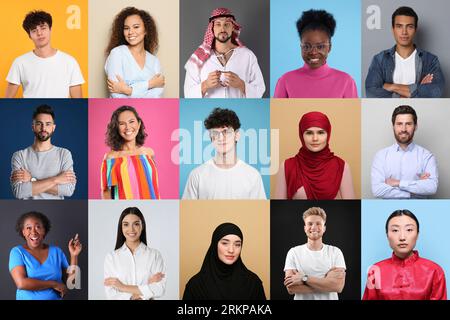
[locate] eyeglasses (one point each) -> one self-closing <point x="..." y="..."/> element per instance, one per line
<point x="42" y="124"/>
<point x="308" y="47"/>
<point x="226" y="133"/>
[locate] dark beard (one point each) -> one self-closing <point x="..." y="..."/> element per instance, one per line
<point x="223" y="41"/>
<point x="42" y="139"/>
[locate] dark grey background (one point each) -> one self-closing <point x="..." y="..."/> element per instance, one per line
<point x="252" y="15"/>
<point x="343" y="231"/>
<point x="67" y="219"/>
<point x="432" y="32"/>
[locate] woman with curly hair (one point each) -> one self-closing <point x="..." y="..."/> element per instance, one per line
<point x="315" y="79"/>
<point x="128" y="170"/>
<point x="131" y="67"/>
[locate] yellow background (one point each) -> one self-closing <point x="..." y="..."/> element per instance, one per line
<point x="198" y="220"/>
<point x="15" y="40"/>
<point x="345" y="141"/>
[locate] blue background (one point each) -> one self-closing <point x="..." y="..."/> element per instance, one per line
<point x="285" y="55"/>
<point x="433" y="241"/>
<point x="252" y="113"/>
<point x="71" y="133"/>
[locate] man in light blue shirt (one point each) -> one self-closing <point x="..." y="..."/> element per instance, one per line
<point x="404" y="170"/>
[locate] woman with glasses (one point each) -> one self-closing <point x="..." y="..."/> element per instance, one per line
<point x="315" y="79"/>
<point x="128" y="170"/>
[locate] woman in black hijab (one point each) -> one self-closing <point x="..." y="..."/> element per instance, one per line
<point x="223" y="274"/>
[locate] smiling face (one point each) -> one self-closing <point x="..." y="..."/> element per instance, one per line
<point x="134" y="30"/>
<point x="404" y="30"/>
<point x="132" y="228"/>
<point x="314" y="227"/>
<point x="315" y="139"/>
<point x="224" y="139"/>
<point x="223" y="29"/>
<point x="315" y="47"/>
<point x="34" y="232"/>
<point x="402" y="235"/>
<point x="43" y="126"/>
<point x="40" y="35"/>
<point x="229" y="248"/>
<point x="128" y="125"/>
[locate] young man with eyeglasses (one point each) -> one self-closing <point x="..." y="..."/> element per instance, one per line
<point x="42" y="171"/>
<point x="224" y="176"/>
<point x="404" y="71"/>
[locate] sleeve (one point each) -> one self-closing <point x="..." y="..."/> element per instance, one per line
<point x="439" y="289"/>
<point x="379" y="188"/>
<point x="339" y="261"/>
<point x="191" y="188"/>
<point x="258" y="189"/>
<point x="375" y="81"/>
<point x="153" y="92"/>
<point x="254" y="87"/>
<point x="67" y="189"/>
<point x="109" y="272"/>
<point x="372" y="283"/>
<point x="423" y="187"/>
<point x="113" y="67"/>
<point x="157" y="289"/>
<point x="62" y="258"/>
<point x="188" y="292"/>
<point x="351" y="91"/>
<point x="15" y="258"/>
<point x="280" y="89"/>
<point x="192" y="81"/>
<point x="76" y="78"/>
<point x="104" y="176"/>
<point x="20" y="190"/>
<point x="290" y="261"/>
<point x="259" y="293"/>
<point x="430" y="90"/>
<point x="14" y="74"/>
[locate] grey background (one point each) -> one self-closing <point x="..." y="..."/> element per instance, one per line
<point x="67" y="219"/>
<point x="162" y="221"/>
<point x="252" y="15"/>
<point x="432" y="134"/>
<point x="432" y="32"/>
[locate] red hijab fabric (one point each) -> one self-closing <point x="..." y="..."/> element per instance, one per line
<point x="320" y="173"/>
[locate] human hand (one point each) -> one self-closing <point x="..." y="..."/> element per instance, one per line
<point x="293" y="279"/>
<point x="66" y="177"/>
<point x="338" y="273"/>
<point x="158" y="81"/>
<point x="233" y="80"/>
<point x="424" y="176"/>
<point x="157" y="277"/>
<point x="212" y="81"/>
<point x="119" y="86"/>
<point x="427" y="79"/>
<point x="392" y="182"/>
<point x="135" y="297"/>
<point x="113" y="282"/>
<point x="60" y="288"/>
<point x="20" y="175"/>
<point x="75" y="246"/>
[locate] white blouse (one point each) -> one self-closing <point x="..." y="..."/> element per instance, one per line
<point x="135" y="269"/>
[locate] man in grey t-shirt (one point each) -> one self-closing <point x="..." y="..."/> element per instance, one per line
<point x="42" y="171"/>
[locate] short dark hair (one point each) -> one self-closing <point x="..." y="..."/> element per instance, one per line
<point x="404" y="109"/>
<point x="33" y="214"/>
<point x="113" y="138"/>
<point x="219" y="118"/>
<point x="120" y="237"/>
<point x="403" y="212"/>
<point x="44" y="108"/>
<point x="405" y="11"/>
<point x="316" y="20"/>
<point x="36" y="18"/>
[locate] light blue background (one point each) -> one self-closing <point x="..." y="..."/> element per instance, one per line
<point x="252" y="113"/>
<point x="434" y="237"/>
<point x="285" y="55"/>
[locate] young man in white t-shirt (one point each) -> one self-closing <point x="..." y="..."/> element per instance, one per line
<point x="314" y="270"/>
<point x="44" y="72"/>
<point x="224" y="176"/>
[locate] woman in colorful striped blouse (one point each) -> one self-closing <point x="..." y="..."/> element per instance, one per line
<point x="128" y="170"/>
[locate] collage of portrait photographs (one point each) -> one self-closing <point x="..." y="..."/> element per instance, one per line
<point x="255" y="150"/>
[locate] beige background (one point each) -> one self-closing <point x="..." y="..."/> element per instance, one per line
<point x="345" y="141"/>
<point x="101" y="16"/>
<point x="198" y="220"/>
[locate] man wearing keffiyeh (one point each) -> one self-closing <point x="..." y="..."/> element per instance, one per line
<point x="222" y="67"/>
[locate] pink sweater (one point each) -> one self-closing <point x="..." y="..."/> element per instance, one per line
<point x="323" y="82"/>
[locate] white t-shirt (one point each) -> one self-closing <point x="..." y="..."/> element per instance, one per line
<point x="405" y="69"/>
<point x="208" y="181"/>
<point x="316" y="264"/>
<point x="45" y="77"/>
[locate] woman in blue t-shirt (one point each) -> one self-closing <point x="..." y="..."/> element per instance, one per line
<point x="37" y="268"/>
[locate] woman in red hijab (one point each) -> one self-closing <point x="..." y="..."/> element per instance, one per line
<point x="314" y="172"/>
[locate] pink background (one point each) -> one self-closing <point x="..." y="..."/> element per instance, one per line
<point x="161" y="118"/>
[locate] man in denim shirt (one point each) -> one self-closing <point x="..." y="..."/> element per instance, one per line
<point x="404" y="71"/>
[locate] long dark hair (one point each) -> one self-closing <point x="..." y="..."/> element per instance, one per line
<point x="117" y="37"/>
<point x="403" y="212"/>
<point x="120" y="237"/>
<point x="114" y="139"/>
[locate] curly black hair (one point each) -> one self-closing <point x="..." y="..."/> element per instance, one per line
<point x="33" y="214"/>
<point x="113" y="138"/>
<point x="316" y="20"/>
<point x="219" y="118"/>
<point x="36" y="18"/>
<point x="117" y="37"/>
